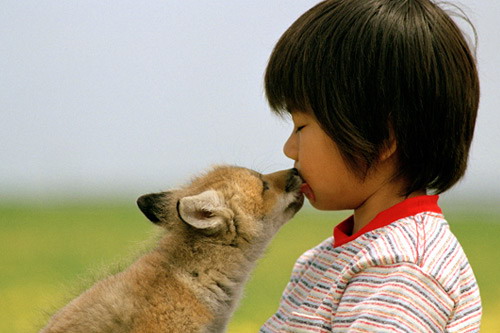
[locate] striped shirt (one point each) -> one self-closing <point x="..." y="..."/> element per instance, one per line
<point x="403" y="272"/>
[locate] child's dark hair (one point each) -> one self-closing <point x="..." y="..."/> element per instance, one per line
<point x="373" y="70"/>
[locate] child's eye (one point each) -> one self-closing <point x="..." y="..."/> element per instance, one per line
<point x="299" y="128"/>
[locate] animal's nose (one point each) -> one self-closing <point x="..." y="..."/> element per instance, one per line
<point x="294" y="181"/>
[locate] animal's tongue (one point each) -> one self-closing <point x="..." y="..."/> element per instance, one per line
<point x="308" y="192"/>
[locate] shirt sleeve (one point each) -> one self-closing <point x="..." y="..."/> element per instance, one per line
<point x="393" y="298"/>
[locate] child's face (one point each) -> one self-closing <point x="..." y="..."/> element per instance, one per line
<point x="331" y="185"/>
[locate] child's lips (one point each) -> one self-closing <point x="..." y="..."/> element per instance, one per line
<point x="307" y="191"/>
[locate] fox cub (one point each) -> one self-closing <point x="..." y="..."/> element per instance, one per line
<point x="215" y="229"/>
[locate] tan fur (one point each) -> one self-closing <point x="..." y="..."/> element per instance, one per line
<point x="215" y="229"/>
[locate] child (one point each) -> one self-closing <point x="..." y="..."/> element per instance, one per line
<point x="383" y="95"/>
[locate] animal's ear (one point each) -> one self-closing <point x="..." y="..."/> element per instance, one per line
<point x="206" y="211"/>
<point x="153" y="205"/>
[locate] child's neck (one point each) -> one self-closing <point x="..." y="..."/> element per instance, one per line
<point x="379" y="201"/>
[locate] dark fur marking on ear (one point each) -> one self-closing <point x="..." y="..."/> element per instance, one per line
<point x="148" y="206"/>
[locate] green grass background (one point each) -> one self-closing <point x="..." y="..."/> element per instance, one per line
<point x="47" y="251"/>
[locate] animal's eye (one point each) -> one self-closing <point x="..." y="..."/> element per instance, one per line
<point x="265" y="186"/>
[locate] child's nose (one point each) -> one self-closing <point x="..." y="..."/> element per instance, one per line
<point x="290" y="147"/>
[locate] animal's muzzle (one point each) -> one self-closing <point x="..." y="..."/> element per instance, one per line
<point x="293" y="181"/>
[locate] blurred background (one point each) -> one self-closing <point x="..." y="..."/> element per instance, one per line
<point x="102" y="101"/>
<point x="117" y="98"/>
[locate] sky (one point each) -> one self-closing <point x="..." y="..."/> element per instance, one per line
<point x="121" y="98"/>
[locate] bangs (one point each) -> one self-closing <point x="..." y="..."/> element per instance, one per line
<point x="284" y="80"/>
<point x="288" y="79"/>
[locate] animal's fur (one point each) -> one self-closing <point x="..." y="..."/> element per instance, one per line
<point x="215" y="230"/>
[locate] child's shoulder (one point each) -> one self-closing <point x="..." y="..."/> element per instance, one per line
<point x="424" y="240"/>
<point x="424" y="245"/>
<point x="414" y="239"/>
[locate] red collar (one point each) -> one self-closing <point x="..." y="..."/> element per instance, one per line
<point x="408" y="207"/>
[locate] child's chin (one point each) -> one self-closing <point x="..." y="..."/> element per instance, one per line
<point x="322" y="204"/>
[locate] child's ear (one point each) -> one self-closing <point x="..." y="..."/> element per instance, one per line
<point x="389" y="149"/>
<point x="390" y="146"/>
<point x="205" y="211"/>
